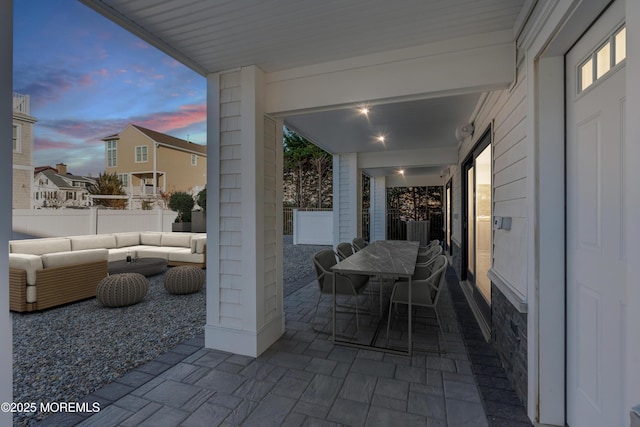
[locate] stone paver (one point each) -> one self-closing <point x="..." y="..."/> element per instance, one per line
<point x="306" y="380"/>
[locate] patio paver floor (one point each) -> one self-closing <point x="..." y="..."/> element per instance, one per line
<point x="305" y="379"/>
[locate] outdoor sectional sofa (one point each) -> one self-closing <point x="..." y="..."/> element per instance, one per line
<point x="52" y="271"/>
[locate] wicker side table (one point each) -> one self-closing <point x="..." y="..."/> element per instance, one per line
<point x="184" y="279"/>
<point x="120" y="290"/>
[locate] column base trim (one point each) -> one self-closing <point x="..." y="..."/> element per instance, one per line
<point x="246" y="343"/>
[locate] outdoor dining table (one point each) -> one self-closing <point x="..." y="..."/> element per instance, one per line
<point x="382" y="258"/>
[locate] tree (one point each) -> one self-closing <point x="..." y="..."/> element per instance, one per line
<point x="108" y="184"/>
<point x="307" y="172"/>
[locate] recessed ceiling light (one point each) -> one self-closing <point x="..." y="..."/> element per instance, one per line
<point x="401" y="171"/>
<point x="364" y="111"/>
<point x="380" y="138"/>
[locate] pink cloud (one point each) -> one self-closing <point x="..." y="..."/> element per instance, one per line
<point x="88" y="131"/>
<point x="171" y="62"/>
<point x="165" y="122"/>
<point x="86" y="80"/>
<point x="41" y="144"/>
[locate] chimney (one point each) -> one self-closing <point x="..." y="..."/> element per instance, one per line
<point x="62" y="168"/>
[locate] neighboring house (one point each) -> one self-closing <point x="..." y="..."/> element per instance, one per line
<point x="22" y="138"/>
<point x="149" y="162"/>
<point x="56" y="188"/>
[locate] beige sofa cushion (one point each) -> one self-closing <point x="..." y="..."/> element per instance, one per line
<point x="98" y="241"/>
<point x="185" y="255"/>
<point x="156" y="251"/>
<point x="150" y="238"/>
<point x="40" y="246"/>
<point x="182" y="240"/>
<point x="118" y="254"/>
<point x="127" y="239"/>
<point x="27" y="262"/>
<point x="62" y="259"/>
<point x="198" y="244"/>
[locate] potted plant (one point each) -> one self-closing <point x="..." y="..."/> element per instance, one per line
<point x="199" y="216"/>
<point x="182" y="203"/>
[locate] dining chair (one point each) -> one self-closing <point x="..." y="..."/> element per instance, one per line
<point x="344" y="250"/>
<point x="429" y="245"/>
<point x="358" y="244"/>
<point x="429" y="254"/>
<point x="425" y="290"/>
<point x="345" y="284"/>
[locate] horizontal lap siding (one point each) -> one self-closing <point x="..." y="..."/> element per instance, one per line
<point x="508" y="111"/>
<point x="347" y="198"/>
<point x="270" y="223"/>
<point x="510" y="181"/>
<point x="230" y="202"/>
<point x="378" y="217"/>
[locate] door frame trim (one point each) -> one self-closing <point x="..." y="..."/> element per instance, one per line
<point x="557" y="31"/>
<point x="482" y="307"/>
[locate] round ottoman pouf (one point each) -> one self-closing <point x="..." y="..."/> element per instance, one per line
<point x="119" y="290"/>
<point x="184" y="279"/>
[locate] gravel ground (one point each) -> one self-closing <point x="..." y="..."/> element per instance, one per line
<point x="65" y="353"/>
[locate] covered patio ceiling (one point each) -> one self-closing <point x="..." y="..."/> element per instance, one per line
<point x="291" y="37"/>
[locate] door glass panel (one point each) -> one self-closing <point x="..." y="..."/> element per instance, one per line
<point x="483" y="221"/>
<point x="603" y="59"/>
<point x="621" y="45"/>
<point x="470" y="227"/>
<point x="586" y="74"/>
<point x="448" y="217"/>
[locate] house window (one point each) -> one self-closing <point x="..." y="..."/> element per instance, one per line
<point x="194" y="160"/>
<point x="141" y="154"/>
<point x="17" y="146"/>
<point x="603" y="59"/>
<point x="112" y="154"/>
<point x="124" y="179"/>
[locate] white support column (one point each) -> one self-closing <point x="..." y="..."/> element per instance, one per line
<point x="346" y="197"/>
<point x="6" y="120"/>
<point x="378" y="210"/>
<point x="245" y="313"/>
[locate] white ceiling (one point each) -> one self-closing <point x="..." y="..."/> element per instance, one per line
<point x="405" y="125"/>
<point x="217" y="35"/>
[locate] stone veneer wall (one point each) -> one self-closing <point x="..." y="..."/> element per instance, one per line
<point x="509" y="337"/>
<point x="457" y="259"/>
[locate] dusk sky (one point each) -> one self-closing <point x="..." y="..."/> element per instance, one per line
<point x="88" y="78"/>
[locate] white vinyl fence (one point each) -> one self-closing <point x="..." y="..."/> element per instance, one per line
<point x="312" y="227"/>
<point x="74" y="222"/>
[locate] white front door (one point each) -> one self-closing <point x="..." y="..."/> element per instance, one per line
<point x="596" y="279"/>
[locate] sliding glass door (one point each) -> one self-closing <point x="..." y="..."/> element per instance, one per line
<point x="477" y="224"/>
<point x="448" y="217"/>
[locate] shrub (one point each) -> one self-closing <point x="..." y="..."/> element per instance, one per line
<point x="202" y="199"/>
<point x="182" y="203"/>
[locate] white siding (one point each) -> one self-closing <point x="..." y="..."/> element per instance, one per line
<point x="272" y="263"/>
<point x="378" y="208"/>
<point x="507" y="109"/>
<point x="345" y="205"/>
<point x="230" y="201"/>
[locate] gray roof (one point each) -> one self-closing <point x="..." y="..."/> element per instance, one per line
<point x="60" y="182"/>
